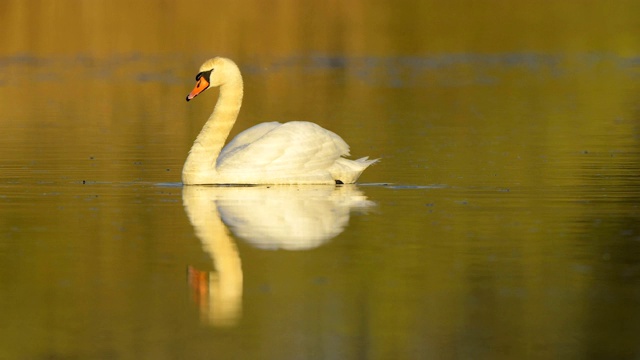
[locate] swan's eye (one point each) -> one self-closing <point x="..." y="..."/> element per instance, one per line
<point x="205" y="74"/>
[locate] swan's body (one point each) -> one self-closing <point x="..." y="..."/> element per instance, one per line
<point x="297" y="152"/>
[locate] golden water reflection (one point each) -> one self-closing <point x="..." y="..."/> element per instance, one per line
<point x="268" y="217"/>
<point x="526" y="112"/>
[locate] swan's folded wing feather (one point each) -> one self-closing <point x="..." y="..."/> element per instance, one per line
<point x="245" y="138"/>
<point x="292" y="148"/>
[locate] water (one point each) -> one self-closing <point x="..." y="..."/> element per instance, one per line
<point x="501" y="222"/>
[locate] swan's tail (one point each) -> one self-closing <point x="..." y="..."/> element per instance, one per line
<point x="366" y="162"/>
<point x="348" y="171"/>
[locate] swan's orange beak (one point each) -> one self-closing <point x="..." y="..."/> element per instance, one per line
<point x="201" y="86"/>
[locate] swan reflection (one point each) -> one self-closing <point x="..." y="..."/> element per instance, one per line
<point x="267" y="217"/>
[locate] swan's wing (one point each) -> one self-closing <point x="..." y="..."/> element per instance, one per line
<point x="296" y="147"/>
<point x="246" y="138"/>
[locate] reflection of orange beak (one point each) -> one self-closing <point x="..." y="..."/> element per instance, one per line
<point x="201" y="86"/>
<point x="199" y="281"/>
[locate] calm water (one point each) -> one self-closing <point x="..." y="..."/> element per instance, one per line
<point x="503" y="221"/>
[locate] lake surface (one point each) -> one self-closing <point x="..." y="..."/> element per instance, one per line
<point x="502" y="222"/>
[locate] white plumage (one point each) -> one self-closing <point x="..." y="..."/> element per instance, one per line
<point x="297" y="152"/>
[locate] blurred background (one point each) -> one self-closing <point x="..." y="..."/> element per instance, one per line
<point x="506" y="201"/>
<point x="104" y="75"/>
<point x="124" y="66"/>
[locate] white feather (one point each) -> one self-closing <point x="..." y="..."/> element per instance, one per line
<point x="297" y="152"/>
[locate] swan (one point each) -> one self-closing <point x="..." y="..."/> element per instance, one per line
<point x="296" y="152"/>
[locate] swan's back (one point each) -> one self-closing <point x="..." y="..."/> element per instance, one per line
<point x="294" y="152"/>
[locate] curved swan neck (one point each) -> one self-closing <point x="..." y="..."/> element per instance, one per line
<point x="200" y="165"/>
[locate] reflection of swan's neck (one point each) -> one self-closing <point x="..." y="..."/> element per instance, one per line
<point x="201" y="161"/>
<point x="221" y="301"/>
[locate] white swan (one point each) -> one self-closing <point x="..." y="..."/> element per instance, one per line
<point x="296" y="152"/>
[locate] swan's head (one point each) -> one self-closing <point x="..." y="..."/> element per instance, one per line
<point x="214" y="72"/>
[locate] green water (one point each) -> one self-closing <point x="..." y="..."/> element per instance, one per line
<point x="502" y="221"/>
